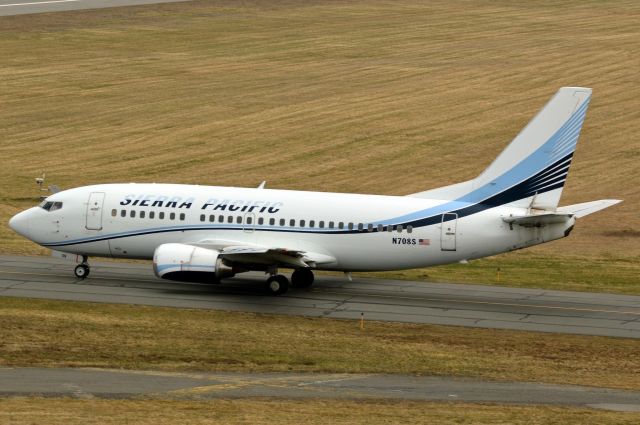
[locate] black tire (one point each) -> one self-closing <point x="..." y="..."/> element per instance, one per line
<point x="302" y="278"/>
<point x="81" y="271"/>
<point x="277" y="285"/>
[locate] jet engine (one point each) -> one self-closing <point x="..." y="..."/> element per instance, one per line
<point x="187" y="263"/>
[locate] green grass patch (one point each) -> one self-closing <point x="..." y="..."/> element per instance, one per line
<point x="530" y="270"/>
<point x="27" y="411"/>
<point x="73" y="334"/>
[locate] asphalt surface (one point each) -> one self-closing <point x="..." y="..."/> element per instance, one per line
<point x="334" y="297"/>
<point x="95" y="383"/>
<point x="23" y="7"/>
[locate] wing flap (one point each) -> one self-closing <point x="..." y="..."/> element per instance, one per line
<point x="257" y="254"/>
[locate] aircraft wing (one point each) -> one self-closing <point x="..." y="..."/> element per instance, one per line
<point x="267" y="255"/>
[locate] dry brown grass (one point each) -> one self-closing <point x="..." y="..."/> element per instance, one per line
<point x="22" y="411"/>
<point x="359" y="96"/>
<point x="70" y="334"/>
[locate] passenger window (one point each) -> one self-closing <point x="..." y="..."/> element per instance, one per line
<point x="181" y="216"/>
<point x="249" y="220"/>
<point x="114" y="213"/>
<point x="272" y="221"/>
<point x="399" y="228"/>
<point x="292" y="222"/>
<point x="172" y="216"/>
<point x="341" y="225"/>
<point x="202" y="217"/>
<point x="390" y="228"/>
<point x="230" y="219"/>
<point x="282" y="222"/>
<point x="350" y="226"/>
<point x="260" y="220"/>
<point x="161" y="215"/>
<point x="321" y="225"/>
<point x="212" y="218"/>
<point x="132" y="213"/>
<point x="239" y="219"/>
<point x="360" y="227"/>
<point x="152" y="214"/>
<point x="331" y="225"/>
<point x="380" y="227"/>
<point x="312" y="223"/>
<point x="370" y="227"/>
<point x="409" y="229"/>
<point x="302" y="223"/>
<point x="123" y="213"/>
<point x="142" y="214"/>
<point x="220" y="218"/>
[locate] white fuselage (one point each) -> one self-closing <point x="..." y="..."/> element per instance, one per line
<point x="359" y="231"/>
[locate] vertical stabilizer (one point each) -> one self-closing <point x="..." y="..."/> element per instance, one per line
<point x="538" y="159"/>
<point x="531" y="171"/>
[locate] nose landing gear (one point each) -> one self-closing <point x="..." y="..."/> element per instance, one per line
<point x="82" y="270"/>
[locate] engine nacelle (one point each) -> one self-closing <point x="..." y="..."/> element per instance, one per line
<point x="187" y="263"/>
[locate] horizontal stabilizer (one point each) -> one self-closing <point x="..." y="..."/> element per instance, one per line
<point x="537" y="220"/>
<point x="586" y="208"/>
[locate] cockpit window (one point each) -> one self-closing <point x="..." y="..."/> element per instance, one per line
<point x="51" y="206"/>
<point x="46" y="205"/>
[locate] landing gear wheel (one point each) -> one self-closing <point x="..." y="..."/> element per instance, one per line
<point x="302" y="278"/>
<point x="277" y="285"/>
<point x="82" y="271"/>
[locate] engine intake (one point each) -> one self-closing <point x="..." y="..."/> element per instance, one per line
<point x="187" y="263"/>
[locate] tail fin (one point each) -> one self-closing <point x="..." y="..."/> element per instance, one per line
<point x="531" y="171"/>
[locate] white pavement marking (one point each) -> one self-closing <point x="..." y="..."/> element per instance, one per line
<point x="39" y="2"/>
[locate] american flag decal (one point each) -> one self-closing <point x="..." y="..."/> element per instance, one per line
<point x="424" y="242"/>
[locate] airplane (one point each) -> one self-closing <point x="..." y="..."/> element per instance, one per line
<point x="208" y="233"/>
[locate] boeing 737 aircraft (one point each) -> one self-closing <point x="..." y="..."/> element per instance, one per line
<point x="208" y="233"/>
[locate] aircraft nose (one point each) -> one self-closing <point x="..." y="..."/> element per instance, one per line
<point x="20" y="224"/>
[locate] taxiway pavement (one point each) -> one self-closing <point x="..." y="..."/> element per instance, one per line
<point x="334" y="297"/>
<point x="101" y="383"/>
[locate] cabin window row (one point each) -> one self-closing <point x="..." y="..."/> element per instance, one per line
<point x="152" y="214"/>
<point x="321" y="224"/>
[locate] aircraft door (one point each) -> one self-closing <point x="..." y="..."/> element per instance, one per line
<point x="94" y="211"/>
<point x="448" y="231"/>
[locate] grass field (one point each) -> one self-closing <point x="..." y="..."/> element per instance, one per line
<point x="23" y="411"/>
<point x="359" y="96"/>
<point x="72" y="334"/>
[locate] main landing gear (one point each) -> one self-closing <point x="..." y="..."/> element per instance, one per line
<point x="278" y="284"/>
<point x="302" y="278"/>
<point x="82" y="270"/>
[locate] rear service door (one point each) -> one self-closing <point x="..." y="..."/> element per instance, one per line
<point x="448" y="231"/>
<point x="94" y="211"/>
